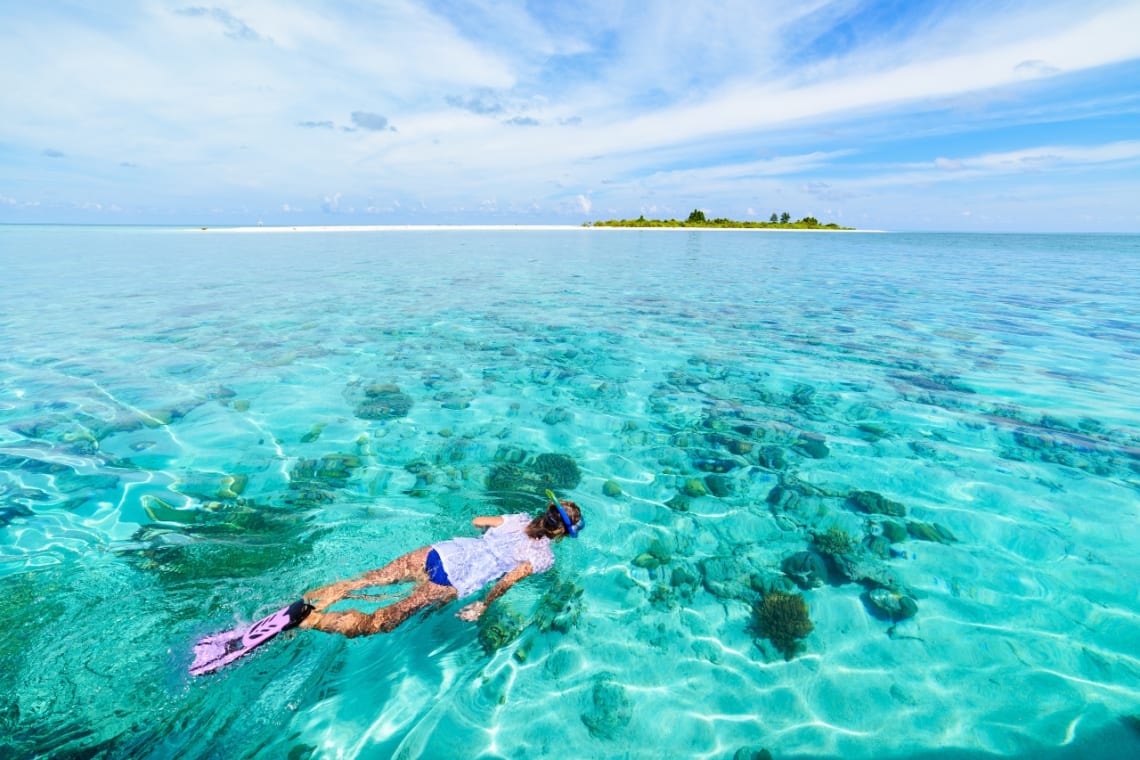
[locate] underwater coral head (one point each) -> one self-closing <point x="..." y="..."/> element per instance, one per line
<point x="834" y="540"/>
<point x="783" y="619"/>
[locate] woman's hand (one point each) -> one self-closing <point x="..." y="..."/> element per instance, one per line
<point x="471" y="612"/>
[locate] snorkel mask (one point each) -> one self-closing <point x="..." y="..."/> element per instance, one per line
<point x="571" y="528"/>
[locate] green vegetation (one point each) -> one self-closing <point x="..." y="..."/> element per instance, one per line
<point x="698" y="219"/>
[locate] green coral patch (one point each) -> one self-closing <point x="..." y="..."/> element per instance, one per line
<point x="383" y="402"/>
<point x="875" y="503"/>
<point x="556" y="472"/>
<point x="930" y="532"/>
<point x="498" y="627"/>
<point x="834" y="541"/>
<point x="783" y="619"/>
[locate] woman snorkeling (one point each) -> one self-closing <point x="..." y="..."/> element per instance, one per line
<point x="513" y="547"/>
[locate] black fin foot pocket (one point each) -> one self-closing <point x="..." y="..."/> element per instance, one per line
<point x="298" y="611"/>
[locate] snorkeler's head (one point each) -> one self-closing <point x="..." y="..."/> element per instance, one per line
<point x="562" y="518"/>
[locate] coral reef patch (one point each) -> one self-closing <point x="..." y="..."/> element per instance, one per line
<point x="875" y="503"/>
<point x="378" y="401"/>
<point x="534" y="475"/>
<point x="783" y="619"/>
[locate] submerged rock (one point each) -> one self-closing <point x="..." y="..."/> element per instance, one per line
<point x="873" y="431"/>
<point x="609" y="709"/>
<point x="562" y="662"/>
<point x="560" y="608"/>
<point x="738" y="446"/>
<point x="714" y="464"/>
<point x="771" y="458"/>
<point x="941" y="383"/>
<point x="331" y="470"/>
<point x="803" y="395"/>
<point x="877" y="546"/>
<point x="726" y="577"/>
<point x="312" y="481"/>
<point x="611" y="489"/>
<point x="646" y="561"/>
<point x="209" y="486"/>
<point x="894" y="532"/>
<point x="557" y="416"/>
<point x="498" y="627"/>
<point x="694" y="488"/>
<point x="11" y="512"/>
<point x="719" y="486"/>
<point x="454" y="451"/>
<point x="807" y="569"/>
<point x="875" y="503"/>
<point x="813" y="446"/>
<point x="510" y="454"/>
<point x="748" y="753"/>
<point x="783" y="499"/>
<point x="314" y="433"/>
<point x="890" y="605"/>
<point x="383" y="402"/>
<point x="684" y="576"/>
<point x="454" y="400"/>
<point x="858" y="566"/>
<point x="664" y="597"/>
<point x="661" y="548"/>
<point x="930" y="532"/>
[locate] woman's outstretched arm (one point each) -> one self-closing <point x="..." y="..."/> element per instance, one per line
<point x="472" y="611"/>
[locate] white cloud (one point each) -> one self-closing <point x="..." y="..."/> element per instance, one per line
<point x="1026" y="160"/>
<point x="875" y="83"/>
<point x="253" y="98"/>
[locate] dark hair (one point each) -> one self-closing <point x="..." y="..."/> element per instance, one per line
<point x="549" y="524"/>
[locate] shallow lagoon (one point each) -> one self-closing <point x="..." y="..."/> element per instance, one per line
<point x="195" y="427"/>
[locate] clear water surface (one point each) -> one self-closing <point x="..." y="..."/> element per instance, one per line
<point x="197" y="426"/>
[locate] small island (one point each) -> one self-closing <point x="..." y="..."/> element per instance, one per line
<point x="697" y="219"/>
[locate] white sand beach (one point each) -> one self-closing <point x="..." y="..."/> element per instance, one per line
<point x="490" y="228"/>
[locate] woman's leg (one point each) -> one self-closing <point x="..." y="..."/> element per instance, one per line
<point x="353" y="623"/>
<point x="409" y="567"/>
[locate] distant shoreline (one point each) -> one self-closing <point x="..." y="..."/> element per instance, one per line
<point x="496" y="228"/>
<point x="389" y="227"/>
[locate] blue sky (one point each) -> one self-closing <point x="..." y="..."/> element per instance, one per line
<point x="899" y="114"/>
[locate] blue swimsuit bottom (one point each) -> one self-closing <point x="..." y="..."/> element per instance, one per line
<point x="436" y="573"/>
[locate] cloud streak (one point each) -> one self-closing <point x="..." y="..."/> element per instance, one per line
<point x="234" y="27"/>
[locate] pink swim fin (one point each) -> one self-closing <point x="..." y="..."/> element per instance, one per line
<point x="220" y="649"/>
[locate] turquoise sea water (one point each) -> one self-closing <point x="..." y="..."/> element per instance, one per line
<point x="197" y="426"/>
